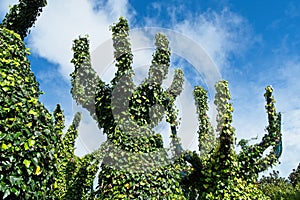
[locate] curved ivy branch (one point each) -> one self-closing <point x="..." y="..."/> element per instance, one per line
<point x="84" y="79"/>
<point x="254" y="153"/>
<point x="206" y="138"/>
<point x="220" y="168"/>
<point x="75" y="176"/>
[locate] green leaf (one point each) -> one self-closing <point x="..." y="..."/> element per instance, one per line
<point x="6" y="194"/>
<point x="4" y="146"/>
<point x="26" y="146"/>
<point x="31" y="142"/>
<point x="6" y="89"/>
<point x="32" y="112"/>
<point x="27" y="163"/>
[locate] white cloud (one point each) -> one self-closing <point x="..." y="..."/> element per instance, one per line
<point x="189" y="123"/>
<point x="89" y="136"/>
<point x="221" y="34"/>
<point x="63" y="21"/>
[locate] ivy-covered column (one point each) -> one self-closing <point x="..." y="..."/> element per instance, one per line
<point x="136" y="165"/>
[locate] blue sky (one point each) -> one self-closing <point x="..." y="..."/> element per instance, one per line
<point x="252" y="43"/>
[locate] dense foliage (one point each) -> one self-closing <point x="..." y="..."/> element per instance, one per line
<point x="75" y="175"/>
<point x="219" y="172"/>
<point x="27" y="144"/>
<point x="129" y="169"/>
<point x="22" y="16"/>
<point x="278" y="188"/>
<point x="294" y="177"/>
<point x="124" y="112"/>
<point x="37" y="157"/>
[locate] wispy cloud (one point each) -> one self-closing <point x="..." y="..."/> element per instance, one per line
<point x="292" y="9"/>
<point x="221" y="34"/>
<point x="288" y="102"/>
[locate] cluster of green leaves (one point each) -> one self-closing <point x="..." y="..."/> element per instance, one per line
<point x="207" y="138"/>
<point x="278" y="188"/>
<point x="294" y="177"/>
<point x="22" y="16"/>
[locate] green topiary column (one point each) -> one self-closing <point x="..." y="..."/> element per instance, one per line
<point x="37" y="158"/>
<point x="28" y="141"/>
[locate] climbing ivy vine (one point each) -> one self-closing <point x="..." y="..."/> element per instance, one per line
<point x="37" y="156"/>
<point x="136" y="165"/>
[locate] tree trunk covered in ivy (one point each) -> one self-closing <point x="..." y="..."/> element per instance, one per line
<point x="28" y="141"/>
<point x="37" y="158"/>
